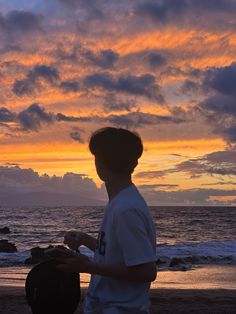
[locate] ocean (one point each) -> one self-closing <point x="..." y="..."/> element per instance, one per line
<point x="199" y="235"/>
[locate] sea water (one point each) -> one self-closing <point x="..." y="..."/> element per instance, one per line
<point x="200" y="235"/>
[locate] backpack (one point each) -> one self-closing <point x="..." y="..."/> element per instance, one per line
<point x="51" y="291"/>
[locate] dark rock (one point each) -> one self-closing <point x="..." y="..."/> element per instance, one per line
<point x="180" y="264"/>
<point x="37" y="255"/>
<point x="176" y="262"/>
<point x="7" y="247"/>
<point x="160" y="262"/>
<point x="5" y="230"/>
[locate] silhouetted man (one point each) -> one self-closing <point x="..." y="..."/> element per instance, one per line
<point x="125" y="251"/>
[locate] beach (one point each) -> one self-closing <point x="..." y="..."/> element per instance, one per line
<point x="208" y="289"/>
<point x="12" y="301"/>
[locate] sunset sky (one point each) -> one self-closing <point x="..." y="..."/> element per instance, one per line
<point x="166" y="69"/>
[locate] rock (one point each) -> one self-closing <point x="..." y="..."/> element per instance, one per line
<point x="160" y="262"/>
<point x="179" y="264"/>
<point x="5" y="230"/>
<point x="37" y="255"/>
<point x="176" y="262"/>
<point x="7" y="247"/>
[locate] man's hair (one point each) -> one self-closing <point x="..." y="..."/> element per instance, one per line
<point x="118" y="149"/>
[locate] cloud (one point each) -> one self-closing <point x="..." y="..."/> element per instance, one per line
<point x="104" y="59"/>
<point x="157" y="186"/>
<point x="139" y="119"/>
<point x="19" y="187"/>
<point x="161" y="11"/>
<point x="65" y="118"/>
<point x="143" y="85"/>
<point x="220" y="109"/>
<point x="31" y="83"/>
<point x="91" y="8"/>
<point x="112" y="103"/>
<point x="20" y="21"/>
<point x="186" y="11"/>
<point x="6" y="115"/>
<point x="70" y="86"/>
<point x="188" y="197"/>
<point x="222" y="79"/>
<point x="134" y="119"/>
<point x="220" y="183"/>
<point x="220" y="163"/>
<point x="229" y="134"/>
<point x="219" y="104"/>
<point x="152" y="174"/>
<point x="76" y="135"/>
<point x="156" y="60"/>
<point x="25" y="187"/>
<point x="33" y="117"/>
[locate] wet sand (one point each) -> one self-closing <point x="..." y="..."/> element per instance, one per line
<point x="164" y="301"/>
<point x="208" y="289"/>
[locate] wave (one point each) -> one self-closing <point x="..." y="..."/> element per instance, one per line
<point x="198" y="253"/>
<point x="184" y="253"/>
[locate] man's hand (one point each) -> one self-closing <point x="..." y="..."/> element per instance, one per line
<point x="78" y="264"/>
<point x="74" y="239"/>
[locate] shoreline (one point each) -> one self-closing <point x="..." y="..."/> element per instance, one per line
<point x="198" y="277"/>
<point x="163" y="301"/>
<point x="203" y="289"/>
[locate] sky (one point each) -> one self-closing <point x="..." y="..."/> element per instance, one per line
<point x="165" y="69"/>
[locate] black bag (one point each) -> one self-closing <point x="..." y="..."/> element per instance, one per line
<point x="51" y="291"/>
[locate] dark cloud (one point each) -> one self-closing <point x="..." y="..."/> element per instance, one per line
<point x="76" y="135"/>
<point x="143" y="85"/>
<point x="20" y="21"/>
<point x="162" y="10"/>
<point x="187" y="197"/>
<point x="33" y="117"/>
<point x="152" y="174"/>
<point x="222" y="80"/>
<point x="157" y="186"/>
<point x="139" y="119"/>
<point x="170" y="11"/>
<point x="191" y="87"/>
<point x="219" y="104"/>
<point x="31" y="83"/>
<point x="104" y="59"/>
<point x="229" y="134"/>
<point x="26" y="187"/>
<point x="156" y="59"/>
<point x="112" y="103"/>
<point x="92" y="8"/>
<point x="219" y="183"/>
<point x="135" y="119"/>
<point x="70" y="86"/>
<point x="6" y="115"/>
<point x="19" y="187"/>
<point x="65" y="118"/>
<point x="218" y="108"/>
<point x="218" y="163"/>
<point x="221" y="163"/>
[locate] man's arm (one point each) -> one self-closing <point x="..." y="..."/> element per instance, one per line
<point x="74" y="239"/>
<point x="138" y="273"/>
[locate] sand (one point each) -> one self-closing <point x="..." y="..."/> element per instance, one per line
<point x="208" y="289"/>
<point x="213" y="301"/>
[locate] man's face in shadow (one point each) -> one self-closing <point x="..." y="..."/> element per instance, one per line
<point x="102" y="171"/>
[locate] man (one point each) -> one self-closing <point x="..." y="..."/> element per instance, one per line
<point x="125" y="252"/>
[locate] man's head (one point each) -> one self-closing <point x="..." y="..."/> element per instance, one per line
<point x="116" y="151"/>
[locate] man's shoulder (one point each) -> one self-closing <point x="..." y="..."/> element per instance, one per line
<point x="130" y="199"/>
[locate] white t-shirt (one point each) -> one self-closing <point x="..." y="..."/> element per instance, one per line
<point x="127" y="237"/>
